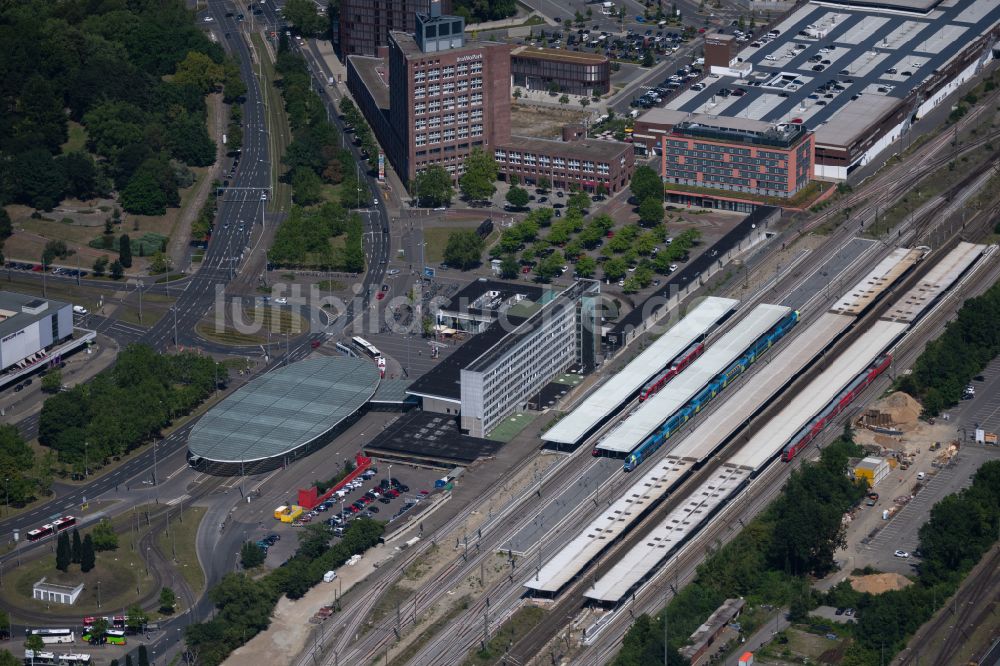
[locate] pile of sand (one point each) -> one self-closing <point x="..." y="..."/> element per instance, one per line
<point x="901" y="408"/>
<point x="879" y="583"/>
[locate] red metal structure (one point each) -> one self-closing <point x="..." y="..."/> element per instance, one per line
<point x="310" y="497"/>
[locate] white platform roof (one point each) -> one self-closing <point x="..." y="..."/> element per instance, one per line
<point x="937" y="281"/>
<point x="658" y="480"/>
<point x="634" y="430"/>
<point x="663" y="539"/>
<point x="611" y="394"/>
<point x="722" y="423"/>
<point x="803" y="406"/>
<point x="882" y="277"/>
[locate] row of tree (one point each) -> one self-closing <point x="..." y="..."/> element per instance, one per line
<point x="768" y="561"/>
<point x="126" y="405"/>
<point x="134" y="75"/>
<point x="244" y="605"/>
<point x="949" y="362"/>
<point x="78" y="551"/>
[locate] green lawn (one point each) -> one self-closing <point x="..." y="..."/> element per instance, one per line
<point x="77" y="138"/>
<point x="111" y="585"/>
<point x="178" y="542"/>
<point x="511" y="426"/>
<point x="277" y="320"/>
<point x="436" y="239"/>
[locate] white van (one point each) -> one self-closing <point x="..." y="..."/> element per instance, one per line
<point x="79" y="309"/>
<point x="329" y="576"/>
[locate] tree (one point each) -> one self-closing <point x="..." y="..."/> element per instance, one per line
<point x="647" y="59"/>
<point x="6" y="227"/>
<point x="117" y="271"/>
<point x="168" y="601"/>
<point x="104" y="536"/>
<point x="614" y="269"/>
<point x="8" y="659"/>
<point x="508" y="267"/>
<point x="128" y="660"/>
<point x="578" y="200"/>
<point x="101" y="265"/>
<point x="37" y="179"/>
<point x="564" y="99"/>
<point x="51" y="383"/>
<point x="550" y="266"/>
<point x="34" y="642"/>
<point x="251" y="555"/>
<point x="87" y="557"/>
<point x="83" y="180"/>
<point x="646" y="183"/>
<point x="125" y="251"/>
<point x="586" y="266"/>
<point x="64" y="553"/>
<point x="76" y="547"/>
<point x="584" y="102"/>
<point x="200" y="71"/>
<point x="544" y="183"/>
<point x="136" y="620"/>
<point x="306" y="187"/>
<point x="433" y="186"/>
<point x="517" y="93"/>
<point x="143" y="656"/>
<point x="651" y="211"/>
<point x="464" y="249"/>
<point x="518" y="197"/>
<point x="480" y="174"/>
<point x="302" y="14"/>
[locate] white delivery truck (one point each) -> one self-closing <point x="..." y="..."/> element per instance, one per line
<point x="607" y="8"/>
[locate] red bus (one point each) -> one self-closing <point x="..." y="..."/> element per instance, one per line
<point x="41" y="532"/>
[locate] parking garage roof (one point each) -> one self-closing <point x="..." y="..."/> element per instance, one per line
<point x="284" y="409"/>
<point x="866" y="44"/>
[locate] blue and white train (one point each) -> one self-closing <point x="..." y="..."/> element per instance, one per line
<point x="712" y="389"/>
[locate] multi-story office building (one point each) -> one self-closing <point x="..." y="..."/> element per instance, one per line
<point x="573" y="72"/>
<point x="534" y="336"/>
<point x="437" y="97"/>
<point x="738" y="155"/>
<point x="364" y="25"/>
<point x="454" y="96"/>
<point x="582" y="163"/>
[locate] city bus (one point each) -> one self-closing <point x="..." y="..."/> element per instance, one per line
<point x="41" y="658"/>
<point x="52" y="636"/>
<point x="368" y="347"/>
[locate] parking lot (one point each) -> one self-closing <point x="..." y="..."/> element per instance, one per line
<point x="374" y="495"/>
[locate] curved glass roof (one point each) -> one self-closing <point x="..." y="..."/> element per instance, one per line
<point x="284" y="409"/>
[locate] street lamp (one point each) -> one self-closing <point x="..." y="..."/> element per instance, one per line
<point x="7" y="484"/>
<point x="86" y="461"/>
<point x="140" y="301"/>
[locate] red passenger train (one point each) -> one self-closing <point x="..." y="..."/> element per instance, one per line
<point x="655" y="385"/>
<point x="838" y="405"/>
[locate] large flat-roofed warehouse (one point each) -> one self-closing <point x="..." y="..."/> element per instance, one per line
<point x="857" y="74"/>
<point x="283" y="415"/>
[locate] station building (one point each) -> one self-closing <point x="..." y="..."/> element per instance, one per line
<point x="530" y="340"/>
<point x="576" y="73"/>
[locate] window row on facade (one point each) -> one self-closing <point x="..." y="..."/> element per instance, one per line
<point x="420" y="92"/>
<point x="435" y="73"/>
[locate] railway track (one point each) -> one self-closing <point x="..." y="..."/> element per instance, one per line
<point x="651" y="597"/>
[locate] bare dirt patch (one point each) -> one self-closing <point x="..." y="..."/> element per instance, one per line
<point x="879" y="583"/>
<point x="542" y="121"/>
